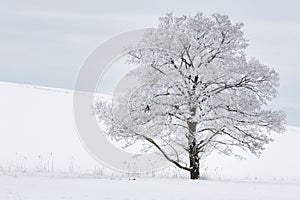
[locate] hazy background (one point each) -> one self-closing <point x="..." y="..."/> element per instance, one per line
<point x="45" y="42"/>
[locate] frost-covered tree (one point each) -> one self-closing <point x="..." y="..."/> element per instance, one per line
<point x="198" y="93"/>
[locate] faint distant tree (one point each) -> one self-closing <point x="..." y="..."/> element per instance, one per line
<point x="198" y="93"/>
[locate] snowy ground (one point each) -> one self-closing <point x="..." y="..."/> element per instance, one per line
<point x="49" y="188"/>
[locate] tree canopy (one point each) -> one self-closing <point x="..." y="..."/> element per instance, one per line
<point x="197" y="93"/>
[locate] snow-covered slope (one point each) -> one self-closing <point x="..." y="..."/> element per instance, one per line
<point x="37" y="131"/>
<point x="37" y="128"/>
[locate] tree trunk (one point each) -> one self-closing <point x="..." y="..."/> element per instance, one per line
<point x="193" y="152"/>
<point x="195" y="173"/>
<point x="194" y="163"/>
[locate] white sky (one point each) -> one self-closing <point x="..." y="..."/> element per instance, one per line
<point x="45" y="42"/>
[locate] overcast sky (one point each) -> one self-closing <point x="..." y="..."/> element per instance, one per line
<point x="45" y="42"/>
